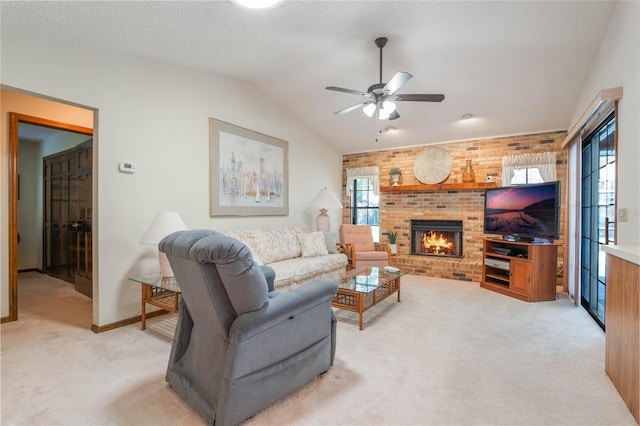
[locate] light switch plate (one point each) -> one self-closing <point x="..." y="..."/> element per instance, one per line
<point x="623" y="214"/>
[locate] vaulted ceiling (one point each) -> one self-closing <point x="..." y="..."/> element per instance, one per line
<point x="518" y="67"/>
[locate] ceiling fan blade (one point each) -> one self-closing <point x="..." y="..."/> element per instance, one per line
<point x="351" y="108"/>
<point x="394" y="115"/>
<point x="341" y="89"/>
<point x="396" y="82"/>
<point x="419" y="98"/>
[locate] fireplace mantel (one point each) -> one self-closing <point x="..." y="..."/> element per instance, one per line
<point x="439" y="187"/>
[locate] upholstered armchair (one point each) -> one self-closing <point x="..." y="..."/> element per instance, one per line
<point x="360" y="248"/>
<point x="238" y="347"/>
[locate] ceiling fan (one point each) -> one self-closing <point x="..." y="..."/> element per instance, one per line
<point x="382" y="97"/>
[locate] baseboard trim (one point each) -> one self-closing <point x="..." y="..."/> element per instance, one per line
<point x="128" y="321"/>
<point x="31" y="270"/>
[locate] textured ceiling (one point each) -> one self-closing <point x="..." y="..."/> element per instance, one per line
<point x="519" y="67"/>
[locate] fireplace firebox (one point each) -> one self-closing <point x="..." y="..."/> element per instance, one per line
<point x="436" y="238"/>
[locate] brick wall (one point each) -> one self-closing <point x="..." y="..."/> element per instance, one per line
<point x="398" y="208"/>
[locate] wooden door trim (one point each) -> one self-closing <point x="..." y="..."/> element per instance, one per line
<point x="14" y="120"/>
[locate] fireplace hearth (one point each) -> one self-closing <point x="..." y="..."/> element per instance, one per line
<point x="436" y="238"/>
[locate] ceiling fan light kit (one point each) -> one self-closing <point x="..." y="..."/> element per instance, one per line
<point x="369" y="109"/>
<point x="383" y="97"/>
<point x="384" y="111"/>
<point x="257" y="4"/>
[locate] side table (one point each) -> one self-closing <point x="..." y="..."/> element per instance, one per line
<point x="159" y="291"/>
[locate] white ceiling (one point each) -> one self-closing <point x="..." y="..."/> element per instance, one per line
<point x="519" y="67"/>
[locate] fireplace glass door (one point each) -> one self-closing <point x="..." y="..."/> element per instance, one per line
<point x="436" y="238"/>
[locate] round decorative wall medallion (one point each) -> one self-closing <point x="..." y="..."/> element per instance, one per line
<point x="433" y="165"/>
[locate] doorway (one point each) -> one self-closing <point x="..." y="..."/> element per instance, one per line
<point x="15" y="119"/>
<point x="598" y="204"/>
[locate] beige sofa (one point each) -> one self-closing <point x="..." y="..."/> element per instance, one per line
<point x="296" y="254"/>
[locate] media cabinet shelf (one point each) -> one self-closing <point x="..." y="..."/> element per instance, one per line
<point x="526" y="271"/>
<point x="439" y="187"/>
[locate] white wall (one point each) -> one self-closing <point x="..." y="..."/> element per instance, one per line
<point x="156" y="115"/>
<point x="618" y="64"/>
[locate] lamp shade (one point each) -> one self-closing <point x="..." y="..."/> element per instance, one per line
<point x="164" y="224"/>
<point x="325" y="200"/>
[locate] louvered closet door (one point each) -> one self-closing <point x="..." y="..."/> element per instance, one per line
<point x="68" y="216"/>
<point x="59" y="207"/>
<point x="84" y="239"/>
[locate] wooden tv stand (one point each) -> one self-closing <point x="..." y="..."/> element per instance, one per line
<point x="526" y="271"/>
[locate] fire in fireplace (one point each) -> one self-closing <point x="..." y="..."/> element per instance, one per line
<point x="436" y="238"/>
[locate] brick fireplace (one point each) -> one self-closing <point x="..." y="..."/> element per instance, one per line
<point x="398" y="208"/>
<point x="416" y="213"/>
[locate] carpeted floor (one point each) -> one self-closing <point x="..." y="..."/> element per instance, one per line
<point x="450" y="353"/>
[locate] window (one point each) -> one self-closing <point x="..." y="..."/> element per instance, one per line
<point x="365" y="204"/>
<point x="528" y="175"/>
<point x="528" y="168"/>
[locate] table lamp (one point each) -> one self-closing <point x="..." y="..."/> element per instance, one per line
<point x="164" y="224"/>
<point x="323" y="201"/>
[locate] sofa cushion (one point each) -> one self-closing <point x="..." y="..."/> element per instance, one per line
<point x="372" y="255"/>
<point x="312" y="244"/>
<point x="256" y="256"/>
<point x="331" y="241"/>
<point x="272" y="244"/>
<point x="301" y="269"/>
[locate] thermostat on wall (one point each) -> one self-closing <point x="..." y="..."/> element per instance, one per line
<point x="127" y="167"/>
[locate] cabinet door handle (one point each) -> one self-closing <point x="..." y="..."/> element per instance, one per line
<point x="606" y="230"/>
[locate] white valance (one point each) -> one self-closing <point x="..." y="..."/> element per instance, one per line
<point x="371" y="173"/>
<point x="545" y="162"/>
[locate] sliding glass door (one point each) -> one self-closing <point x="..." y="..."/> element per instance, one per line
<point x="598" y="214"/>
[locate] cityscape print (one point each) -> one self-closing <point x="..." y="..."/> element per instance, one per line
<point x="251" y="172"/>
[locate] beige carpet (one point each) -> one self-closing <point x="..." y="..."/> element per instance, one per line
<point x="450" y="353"/>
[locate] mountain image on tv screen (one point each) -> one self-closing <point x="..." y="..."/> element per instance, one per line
<point x="526" y="210"/>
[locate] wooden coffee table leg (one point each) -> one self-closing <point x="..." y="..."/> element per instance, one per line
<point x="398" y="284"/>
<point x="145" y="290"/>
<point x="361" y="309"/>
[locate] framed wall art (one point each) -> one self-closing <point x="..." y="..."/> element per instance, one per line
<point x="248" y="172"/>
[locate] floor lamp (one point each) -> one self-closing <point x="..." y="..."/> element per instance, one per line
<point x="165" y="223"/>
<point x="323" y="201"/>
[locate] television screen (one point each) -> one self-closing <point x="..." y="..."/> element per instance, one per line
<point x="524" y="211"/>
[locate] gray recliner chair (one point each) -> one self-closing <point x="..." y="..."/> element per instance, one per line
<point x="238" y="347"/>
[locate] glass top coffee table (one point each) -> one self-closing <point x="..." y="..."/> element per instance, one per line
<point x="362" y="288"/>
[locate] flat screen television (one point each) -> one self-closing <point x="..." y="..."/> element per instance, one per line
<point x="523" y="212"/>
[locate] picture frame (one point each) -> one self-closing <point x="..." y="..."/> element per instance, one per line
<point x="249" y="173"/>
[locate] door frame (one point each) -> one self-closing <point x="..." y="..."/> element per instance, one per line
<point x="14" y="121"/>
<point x="609" y="114"/>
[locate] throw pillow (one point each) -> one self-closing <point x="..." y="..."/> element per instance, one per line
<point x="312" y="244"/>
<point x="330" y="240"/>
